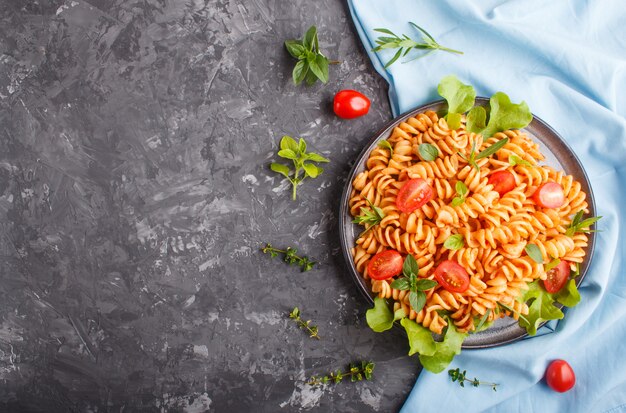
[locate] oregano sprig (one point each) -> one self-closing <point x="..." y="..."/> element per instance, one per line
<point x="290" y="256"/>
<point x="416" y="286"/>
<point x="356" y="372"/>
<point x="296" y="152"/>
<point x="457" y="376"/>
<point x="304" y="325"/>
<point x="405" y="44"/>
<point x="312" y="64"/>
<point x="580" y="225"/>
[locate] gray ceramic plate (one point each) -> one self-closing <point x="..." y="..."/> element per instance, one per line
<point x="558" y="154"/>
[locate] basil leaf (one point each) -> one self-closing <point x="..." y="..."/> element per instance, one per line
<point x="428" y="152"/>
<point x="516" y="160"/>
<point x="319" y="66"/>
<point x="400" y="284"/>
<point x="424" y="284"/>
<point x="457" y="201"/>
<point x="461" y="189"/>
<point x="410" y="266"/>
<point x="312" y="170"/>
<point x="534" y="252"/>
<point x="280" y="168"/>
<point x="386" y="145"/>
<point x="454" y="242"/>
<point x="287" y="154"/>
<point x="287" y="142"/>
<point x="300" y="71"/>
<point x="309" y="38"/>
<point x="380" y="318"/>
<point x="417" y="299"/>
<point x="295" y="48"/>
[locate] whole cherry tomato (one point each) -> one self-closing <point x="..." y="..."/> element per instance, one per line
<point x="349" y="104"/>
<point x="560" y="376"/>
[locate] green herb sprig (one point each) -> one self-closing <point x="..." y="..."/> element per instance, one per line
<point x="428" y="151"/>
<point x="312" y="64"/>
<point x="534" y="252"/>
<point x="290" y="256"/>
<point x="457" y="376"/>
<point x="405" y="44"/>
<point x="580" y="225"/>
<point x="454" y="242"/>
<point x="384" y="144"/>
<point x="512" y="311"/>
<point x="516" y="160"/>
<point x="296" y="152"/>
<point x="461" y="192"/>
<point x="416" y="286"/>
<point x="304" y="325"/>
<point x="370" y="217"/>
<point x="473" y="157"/>
<point x="356" y="372"/>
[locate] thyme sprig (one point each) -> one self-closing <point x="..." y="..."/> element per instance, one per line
<point x="405" y="44"/>
<point x="304" y="325"/>
<point x="290" y="257"/>
<point x="356" y="372"/>
<point x="457" y="376"/>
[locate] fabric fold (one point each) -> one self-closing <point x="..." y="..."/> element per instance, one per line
<point x="567" y="60"/>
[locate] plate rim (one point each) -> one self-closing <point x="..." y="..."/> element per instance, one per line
<point x="383" y="133"/>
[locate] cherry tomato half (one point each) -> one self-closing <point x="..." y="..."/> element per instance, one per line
<point x="502" y="181"/>
<point x="385" y="265"/>
<point x="549" y="195"/>
<point x="560" y="376"/>
<point x="349" y="104"/>
<point x="451" y="276"/>
<point x="557" y="277"/>
<point x="413" y="194"/>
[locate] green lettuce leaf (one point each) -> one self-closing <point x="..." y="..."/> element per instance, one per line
<point x="541" y="308"/>
<point x="444" y="351"/>
<point x="420" y="338"/>
<point x="460" y="98"/>
<point x="505" y="115"/>
<point x="434" y="356"/>
<point x="569" y="295"/>
<point x="380" y="318"/>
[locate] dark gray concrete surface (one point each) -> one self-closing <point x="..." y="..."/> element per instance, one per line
<point x="135" y="138"/>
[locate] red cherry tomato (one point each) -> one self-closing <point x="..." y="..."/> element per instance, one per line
<point x="451" y="276"/>
<point x="549" y="195"/>
<point x="557" y="277"/>
<point x="560" y="376"/>
<point x="413" y="194"/>
<point x="502" y="181"/>
<point x="385" y="265"/>
<point x="350" y="104"/>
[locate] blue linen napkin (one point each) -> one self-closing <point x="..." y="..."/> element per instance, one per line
<point x="567" y="60"/>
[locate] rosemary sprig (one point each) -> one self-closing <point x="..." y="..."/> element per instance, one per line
<point x="304" y="325"/>
<point x="370" y="217"/>
<point x="580" y="225"/>
<point x="512" y="311"/>
<point x="356" y="372"/>
<point x="473" y="157"/>
<point x="290" y="256"/>
<point x="458" y="376"/>
<point x="405" y="44"/>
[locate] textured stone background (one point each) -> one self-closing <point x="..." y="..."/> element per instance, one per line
<point x="135" y="138"/>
